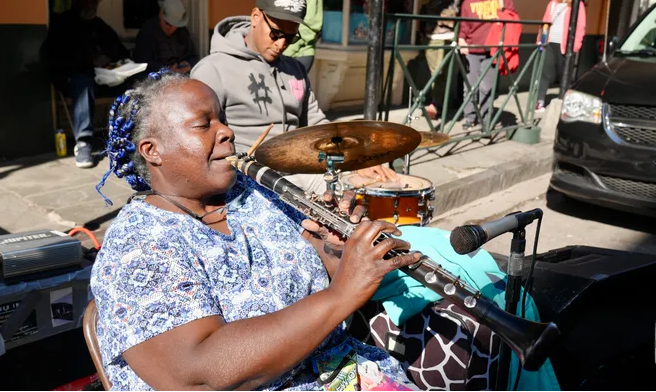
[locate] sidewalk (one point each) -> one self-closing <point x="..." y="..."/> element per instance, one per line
<point x="48" y="192"/>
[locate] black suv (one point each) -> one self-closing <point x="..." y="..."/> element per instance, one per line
<point x="605" y="148"/>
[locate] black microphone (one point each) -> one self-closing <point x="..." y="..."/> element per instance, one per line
<point x="468" y="238"/>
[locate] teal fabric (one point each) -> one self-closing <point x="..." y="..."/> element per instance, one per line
<point x="402" y="296"/>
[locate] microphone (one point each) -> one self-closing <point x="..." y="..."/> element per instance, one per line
<point x="468" y="238"/>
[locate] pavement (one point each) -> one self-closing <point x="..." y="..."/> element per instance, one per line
<point x="50" y="192"/>
<point x="565" y="222"/>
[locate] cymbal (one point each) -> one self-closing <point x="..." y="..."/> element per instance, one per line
<point x="431" y="139"/>
<point x="364" y="144"/>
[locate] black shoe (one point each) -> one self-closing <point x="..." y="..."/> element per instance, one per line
<point x="468" y="125"/>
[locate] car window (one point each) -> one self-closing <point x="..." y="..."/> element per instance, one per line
<point x="644" y="35"/>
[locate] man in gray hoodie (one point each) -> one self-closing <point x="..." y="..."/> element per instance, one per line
<point x="257" y="85"/>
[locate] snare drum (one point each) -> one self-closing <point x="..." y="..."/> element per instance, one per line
<point x="405" y="201"/>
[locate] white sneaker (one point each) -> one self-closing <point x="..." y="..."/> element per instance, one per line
<point x="83" y="156"/>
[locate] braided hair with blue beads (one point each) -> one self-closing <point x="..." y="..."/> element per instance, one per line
<point x="129" y="123"/>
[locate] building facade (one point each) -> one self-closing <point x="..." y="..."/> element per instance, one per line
<point x="28" y="103"/>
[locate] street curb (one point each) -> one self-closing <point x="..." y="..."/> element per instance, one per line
<point x="457" y="193"/>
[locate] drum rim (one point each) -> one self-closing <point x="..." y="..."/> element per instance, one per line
<point x="393" y="192"/>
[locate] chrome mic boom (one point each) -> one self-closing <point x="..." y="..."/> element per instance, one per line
<point x="530" y="340"/>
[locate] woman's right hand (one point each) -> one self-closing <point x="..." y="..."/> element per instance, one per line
<point x="363" y="267"/>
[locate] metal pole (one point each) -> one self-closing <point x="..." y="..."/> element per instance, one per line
<point x="390" y="70"/>
<point x="513" y="293"/>
<point x="374" y="56"/>
<point x="606" y="30"/>
<point x="569" y="54"/>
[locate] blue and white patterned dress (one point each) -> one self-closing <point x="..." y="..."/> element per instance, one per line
<point x="158" y="270"/>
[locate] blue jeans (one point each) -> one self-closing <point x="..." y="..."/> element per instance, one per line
<point x="477" y="63"/>
<point x="82" y="92"/>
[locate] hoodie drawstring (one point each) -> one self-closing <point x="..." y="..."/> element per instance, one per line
<point x="284" y="111"/>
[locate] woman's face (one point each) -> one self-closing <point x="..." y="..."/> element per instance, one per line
<point x="193" y="142"/>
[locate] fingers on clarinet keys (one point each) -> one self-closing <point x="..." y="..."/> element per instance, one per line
<point x="405" y="259"/>
<point x="345" y="206"/>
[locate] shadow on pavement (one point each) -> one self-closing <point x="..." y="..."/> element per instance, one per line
<point x="565" y="205"/>
<point x="24" y="163"/>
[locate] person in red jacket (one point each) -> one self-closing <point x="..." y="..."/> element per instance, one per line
<point x="558" y="14"/>
<point x="475" y="33"/>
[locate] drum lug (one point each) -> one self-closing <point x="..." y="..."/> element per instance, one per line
<point x="421" y="202"/>
<point x="396" y="203"/>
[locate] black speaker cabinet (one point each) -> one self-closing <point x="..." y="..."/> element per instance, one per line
<point x="604" y="304"/>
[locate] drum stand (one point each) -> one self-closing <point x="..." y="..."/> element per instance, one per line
<point x="331" y="176"/>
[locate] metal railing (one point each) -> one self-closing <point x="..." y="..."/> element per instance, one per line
<point x="453" y="62"/>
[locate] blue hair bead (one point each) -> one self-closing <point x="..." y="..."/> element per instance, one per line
<point x="132" y="180"/>
<point x="141" y="184"/>
<point x="127" y="167"/>
<point x="130" y="147"/>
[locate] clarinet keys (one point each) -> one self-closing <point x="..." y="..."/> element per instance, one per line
<point x="431" y="277"/>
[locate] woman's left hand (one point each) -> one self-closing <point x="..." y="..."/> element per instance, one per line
<point x="333" y="241"/>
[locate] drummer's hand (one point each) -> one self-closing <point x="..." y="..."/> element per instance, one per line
<point x="379" y="173"/>
<point x="346" y="204"/>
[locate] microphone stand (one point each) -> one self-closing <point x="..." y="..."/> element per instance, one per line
<point x="513" y="293"/>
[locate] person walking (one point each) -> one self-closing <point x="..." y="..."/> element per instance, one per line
<point x="558" y="13"/>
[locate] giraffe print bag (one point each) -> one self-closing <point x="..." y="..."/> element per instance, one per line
<point x="441" y="348"/>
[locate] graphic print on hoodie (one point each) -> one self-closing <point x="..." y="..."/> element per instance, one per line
<point x="255" y="88"/>
<point x="475" y="33"/>
<point x="252" y="92"/>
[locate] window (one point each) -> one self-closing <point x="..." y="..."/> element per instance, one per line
<point x="358" y="21"/>
<point x="643" y="37"/>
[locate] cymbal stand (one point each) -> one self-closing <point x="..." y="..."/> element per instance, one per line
<point x="331" y="176"/>
<point x="406" y="159"/>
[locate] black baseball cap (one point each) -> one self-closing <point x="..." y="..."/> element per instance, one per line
<point x="291" y="10"/>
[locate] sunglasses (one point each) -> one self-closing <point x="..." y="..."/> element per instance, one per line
<point x="276" y="34"/>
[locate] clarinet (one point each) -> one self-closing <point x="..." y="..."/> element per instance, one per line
<point x="530" y="340"/>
